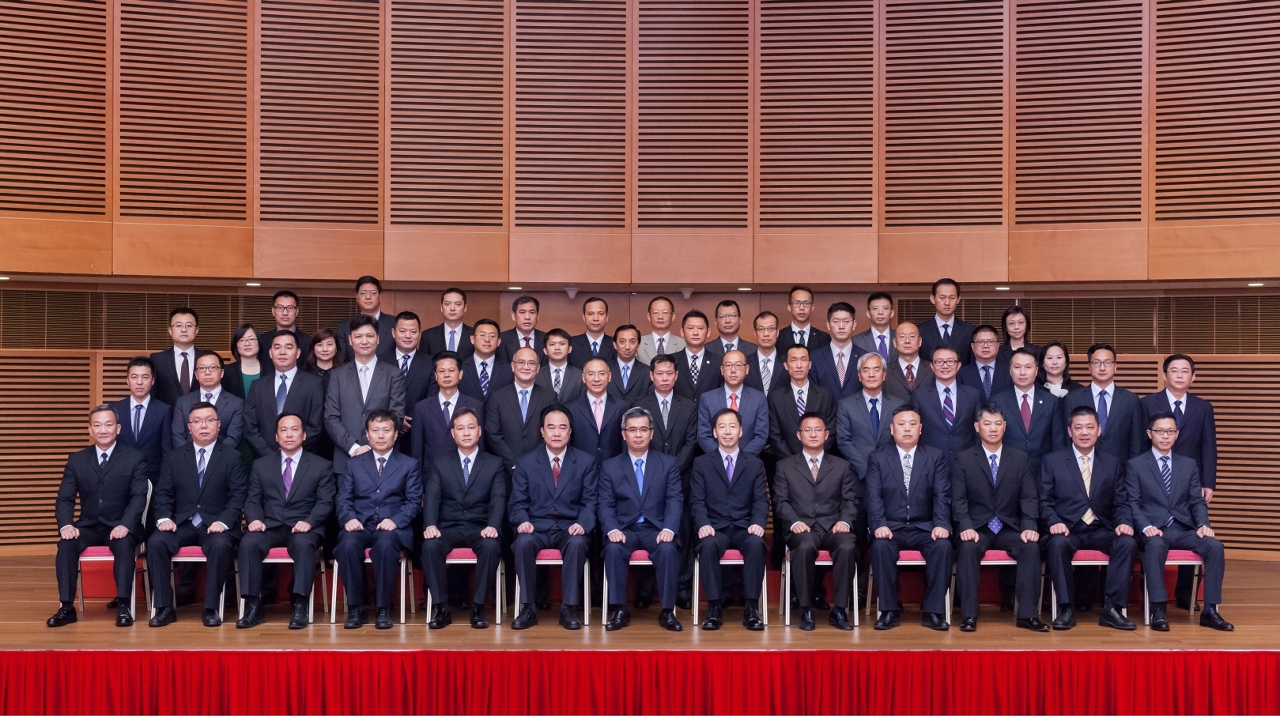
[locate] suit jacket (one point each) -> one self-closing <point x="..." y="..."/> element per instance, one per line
<point x="550" y="504"/>
<point x="778" y="376"/>
<point x="605" y="442"/>
<point x="230" y="417"/>
<point x="678" y="436"/>
<point x="511" y="343"/>
<point x="868" y="343"/>
<point x="581" y="345"/>
<point x="1151" y="506"/>
<point x="638" y="383"/>
<point x="960" y="435"/>
<point x="1063" y="497"/>
<point x="755" y="419"/>
<point x="480" y="502"/>
<point x="1048" y="433"/>
<point x="1014" y="497"/>
<point x="709" y="377"/>
<point x="369" y="498"/>
<point x="784" y="417"/>
<point x="1197" y="433"/>
<point x="623" y="502"/>
<point x="470" y="382"/>
<point x="824" y="372"/>
<point x="430" y="437"/>
<point x="853" y="429"/>
<point x="436" y="340"/>
<point x="895" y="383"/>
<point x="168" y="388"/>
<point x="889" y="505"/>
<point x="571" y="385"/>
<point x="649" y="346"/>
<point x="961" y="339"/>
<point x="418" y="384"/>
<point x="507" y="434"/>
<point x="310" y="498"/>
<point x="717" y="502"/>
<point x="219" y="498"/>
<point x="345" y="410"/>
<point x="306" y="397"/>
<point x="386" y="334"/>
<point x="1126" y="432"/>
<point x="1000" y="379"/>
<point x="832" y="498"/>
<point x="155" y="438"/>
<point x="303" y="340"/>
<point x="233" y="379"/>
<point x="111" y="495"/>
<point x="716" y="345"/>
<point x="817" y="339"/>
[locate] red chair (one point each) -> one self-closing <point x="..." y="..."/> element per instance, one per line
<point x="906" y="558"/>
<point x="194" y="555"/>
<point x="639" y="558"/>
<point x="731" y="558"/>
<point x="1176" y="558"/>
<point x="463" y="555"/>
<point x="103" y="554"/>
<point x="552" y="557"/>
<point x="823" y="560"/>
<point x="280" y="555"/>
<point x="1082" y="558"/>
<point x="406" y="578"/>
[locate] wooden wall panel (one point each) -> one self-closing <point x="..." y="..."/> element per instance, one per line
<point x="450" y="255"/>
<point x="923" y="255"/>
<point x="317" y="251"/>
<point x="1078" y="252"/>
<point x="178" y="247"/>
<point x="52" y="243"/>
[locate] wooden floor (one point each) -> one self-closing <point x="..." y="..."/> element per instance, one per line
<point x="1251" y="593"/>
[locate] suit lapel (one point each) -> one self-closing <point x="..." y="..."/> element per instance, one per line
<point x="824" y="469"/>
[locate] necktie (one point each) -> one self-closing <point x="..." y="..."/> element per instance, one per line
<point x="466" y="470"/>
<point x="948" y="408"/>
<point x="946" y="333"/>
<point x="524" y="405"/>
<point x="208" y="397"/>
<point x="526" y="342"/>
<point x="883" y="350"/>
<point x="728" y="468"/>
<point x="102" y="462"/>
<point x="995" y="525"/>
<point x="986" y="380"/>
<point x="281" y="393"/>
<point x="626" y="374"/>
<point x="662" y="344"/>
<point x="875" y="418"/>
<point x="598" y="410"/>
<point x="1087" y="474"/>
<point x="200" y="466"/>
<point x="453" y="342"/>
<point x="906" y="472"/>
<point x="137" y="422"/>
<point x="911" y="377"/>
<point x="404" y="366"/>
<point x="693" y="369"/>
<point x="840" y="367"/>
<point x="766" y="373"/>
<point x="288" y="476"/>
<point x="484" y="378"/>
<point x="666" y="410"/>
<point x="364" y="382"/>
<point x="1166" y="476"/>
<point x="555" y="381"/>
<point x="1177" y="412"/>
<point x="799" y="337"/>
<point x="555" y="471"/>
<point x="800" y="401"/>
<point x="813" y="468"/>
<point x="640" y="476"/>
<point x="184" y="375"/>
<point x="382" y="462"/>
<point x="1026" y="414"/>
<point x="1102" y="411"/>
<point x="728" y="347"/>
<point x="733" y="401"/>
<point x="595" y="348"/>
<point x="447" y="415"/>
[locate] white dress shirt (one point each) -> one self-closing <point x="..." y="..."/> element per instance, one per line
<point x="190" y="353"/>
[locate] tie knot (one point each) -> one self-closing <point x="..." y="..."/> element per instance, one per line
<point x="288" y="461"/>
<point x="208" y="397"/>
<point x="523" y="393"/>
<point x="873" y="403"/>
<point x="639" y="464"/>
<point x="947" y="390"/>
<point x="555" y="461"/>
<point x="201" y="452"/>
<point x="466" y="461"/>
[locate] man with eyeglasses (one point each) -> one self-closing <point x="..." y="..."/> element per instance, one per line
<point x="512" y="412"/>
<point x="230" y="408"/>
<point x="1121" y="416"/>
<point x="729" y="323"/>
<point x="799" y="331"/>
<point x="369" y="301"/>
<point x="988" y="372"/>
<point x="946" y="407"/>
<point x="749" y="403"/>
<point x="284" y="309"/>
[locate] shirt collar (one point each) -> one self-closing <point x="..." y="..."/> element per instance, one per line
<point x="980" y="364"/>
<point x="902" y="453"/>
<point x="942" y="387"/>
<point x="297" y="458"/>
<point x="887" y="333"/>
<point x="1156" y="451"/>
<point x="644" y="458"/>
<point x="289" y="374"/>
<point x="997" y="453"/>
<point x="97" y="451"/>
<point x="489" y="362"/>
<point x="401" y="354"/>
<point x="630" y="364"/>
<point x="474" y="451"/>
<point x="949" y="322"/>
<point x="733" y="455"/>
<point x="805" y="330"/>
<point x="453" y="399"/>
<point x="808" y="458"/>
<point x="553" y="455"/>
<point x="836" y="350"/>
<point x="730" y="391"/>
<point x="915" y="364"/>
<point x="372" y="360"/>
<point x="661" y="397"/>
<point x="689" y="352"/>
<point x="207" y="448"/>
<point x="1029" y="392"/>
<point x="1169" y="394"/>
<point x="1110" y="390"/>
<point x="770" y="355"/>
<point x="1079" y="454"/>
<point x="868" y="398"/>
<point x="177" y="353"/>
<point x="146" y="403"/>
<point x="384" y="455"/>
<point x="795" y="387"/>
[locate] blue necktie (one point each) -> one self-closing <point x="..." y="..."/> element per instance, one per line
<point x="1166" y="476"/>
<point x="281" y="392"/>
<point x="484" y="378"/>
<point x="595" y="348"/>
<point x="800" y="401"/>
<point x="1177" y="413"/>
<point x="524" y="405"/>
<point x="986" y="380"/>
<point x="946" y="333"/>
<point x="884" y="349"/>
<point x="137" y="422"/>
<point x="453" y="343"/>
<point x="404" y="366"/>
<point x="626" y="373"/>
<point x="466" y="470"/>
<point x="200" y="466"/>
<point x="1102" y="411"/>
<point x="948" y="408"/>
<point x="995" y="525"/>
<point x="640" y="483"/>
<point x="875" y="420"/>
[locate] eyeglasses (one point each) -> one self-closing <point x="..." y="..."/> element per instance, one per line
<point x="637" y="431"/>
<point x="198" y="422"/>
<point x="367" y="293"/>
<point x="1164" y="432"/>
<point x="285" y="309"/>
<point x="813" y="431"/>
<point x="1102" y="363"/>
<point x="945" y="362"/>
<point x="986" y="342"/>
<point x="525" y="363"/>
<point x="802" y="304"/>
<point x="767" y="329"/>
<point x="208" y="368"/>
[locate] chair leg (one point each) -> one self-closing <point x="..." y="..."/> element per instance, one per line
<point x="133" y="593"/>
<point x="518" y="606"/>
<point x="501" y="591"/>
<point x="402" y="590"/>
<point x="949" y="606"/>
<point x="311" y="606"/>
<point x="222" y="600"/>
<point x="1146" y="600"/>
<point x="240" y="615"/>
<point x="696" y="606"/>
<point x="324" y="585"/>
<point x="333" y="600"/>
<point x="1196" y="576"/>
<point x="855" y="593"/>
<point x="764" y="598"/>
<point x="586" y="593"/>
<point x="413" y="593"/>
<point x="80" y="583"/>
<point x="1053" y="602"/>
<point x="786" y="589"/>
<point x="871" y="592"/>
<point x="604" y="607"/>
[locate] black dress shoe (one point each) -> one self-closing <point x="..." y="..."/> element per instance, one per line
<point x="211" y="618"/>
<point x="751" y="619"/>
<point x="969" y="624"/>
<point x="619" y="617"/>
<point x="568" y="619"/>
<point x="1031" y="624"/>
<point x="441" y="618"/>
<point x="356" y="618"/>
<point x="1066" y="618"/>
<point x="477" y="618"/>
<point x="252" y="614"/>
<point x="934" y="621"/>
<point x="383" y="619"/>
<point x="299" y="619"/>
<point x="123" y="617"/>
<point x="63" y="617"/>
<point x="164" y="617"/>
<point x="889" y="619"/>
<point x="1159" y="621"/>
<point x="839" y="619"/>
<point x="1212" y="619"/>
<point x="819" y="603"/>
<point x="527" y="617"/>
<point x="685" y="603"/>
<point x="667" y="620"/>
<point x="806" y="619"/>
<point x="1111" y="617"/>
<point x="714" y="618"/>
<point x="113" y="604"/>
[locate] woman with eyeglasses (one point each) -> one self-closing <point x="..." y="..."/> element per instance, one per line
<point x="1015" y="325"/>
<point x="245" y="367"/>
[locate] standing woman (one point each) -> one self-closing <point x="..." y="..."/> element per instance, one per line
<point x="1055" y="369"/>
<point x="239" y="375"/>
<point x="1016" y="326"/>
<point x="321" y="360"/>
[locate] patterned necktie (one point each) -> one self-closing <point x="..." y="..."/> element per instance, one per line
<point x="948" y="408"/>
<point x="875" y="418"/>
<point x="526" y="341"/>
<point x="445" y="409"/>
<point x="200" y="467"/>
<point x="102" y="462"/>
<point x="281" y="393"/>
<point x="766" y="373"/>
<point x="598" y="410"/>
<point x="555" y="471"/>
<point x="466" y="471"/>
<point x="1166" y="476"/>
<point x="1177" y="413"/>
<point x="799" y="337"/>
<point x="595" y="348"/>
<point x="986" y="380"/>
<point x="382" y="462"/>
<point x="693" y="370"/>
<point x="1026" y="414"/>
<point x="288" y="476"/>
<point x="137" y="422"/>
<point x="1102" y="411"/>
<point x="800" y="401"/>
<point x="813" y="468"/>
<point x="524" y="405"/>
<point x="662" y="344"/>
<point x="906" y="472"/>
<point x="1087" y="474"/>
<point x="911" y="377"/>
<point x="555" y="380"/>
<point x="728" y="468"/>
<point x="453" y="339"/>
<point x="883" y="350"/>
<point x="666" y="410"/>
<point x="728" y="347"/>
<point x="484" y="378"/>
<point x="995" y="525"/>
<point x="733" y="401"/>
<point x="626" y="375"/>
<point x="404" y="366"/>
<point x="184" y="376"/>
<point x="208" y="397"/>
<point x="840" y="367"/>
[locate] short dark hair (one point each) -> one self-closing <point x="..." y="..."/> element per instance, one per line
<point x="521" y="300"/>
<point x="449" y="355"/>
<point x="140" y="362"/>
<point x="557" y="333"/>
<point x="462" y="413"/>
<point x="408" y="316"/>
<point x="986" y="328"/>
<point x="291" y="336"/>
<point x="723" y="412"/>
<point x="103" y="408"/>
<point x="201" y="406"/>
<point x="636" y="413"/>
<point x="880" y="296"/>
<point x="626" y="327"/>
<point x="284" y="294"/>
<point x="282" y="416"/>
<point x="239" y="333"/>
<point x="592" y="299"/>
<point x="1025" y="351"/>
<point x="839" y="306"/>
<point x="944" y="282"/>
<point x="1083" y="410"/>
<point x="381" y="415"/>
<point x="799" y="287"/>
<point x="1014" y="310"/>
<point x="694" y="313"/>
<point x="663" y="358"/>
<point x="1178" y="356"/>
<point x="1100" y="347"/>
<point x="809" y="414"/>
<point x="453" y="289"/>
<point x="990" y="407"/>
<point x="953" y="352"/>
<point x="215" y="354"/>
<point x="184" y="309"/>
<point x="362" y="320"/>
<point x="726" y="304"/>
<point x="764" y="314"/>
<point x="905" y="408"/>
<point x="794" y="346"/>
<point x="364" y="280"/>
<point x="486" y="322"/>
<point x="553" y="408"/>
<point x="655" y="299"/>
<point x="1160" y="415"/>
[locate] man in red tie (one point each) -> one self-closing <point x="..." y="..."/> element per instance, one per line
<point x="1035" y="422"/>
<point x="908" y="370"/>
<point x="750" y="404"/>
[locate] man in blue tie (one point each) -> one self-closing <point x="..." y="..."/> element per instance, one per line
<point x="879" y="337"/>
<point x="1121" y="416"/>
<point x="594" y="342"/>
<point x="988" y="372"/>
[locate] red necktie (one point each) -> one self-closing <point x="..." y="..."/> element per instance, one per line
<point x="1026" y="414"/>
<point x="733" y="401"/>
<point x="555" y="471"/>
<point x="911" y="377"/>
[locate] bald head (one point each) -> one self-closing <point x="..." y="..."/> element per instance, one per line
<point x="734" y="369"/>
<point x="525" y="366"/>
<point x="907" y="340"/>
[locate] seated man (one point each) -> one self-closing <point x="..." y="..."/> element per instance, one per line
<point x="290" y="496"/>
<point x="111" y="482"/>
<point x="553" y="506"/>
<point x="909" y="507"/>
<point x="1165" y="500"/>
<point x="730" y="509"/>
<point x="197" y="501"/>
<point x="817" y="498"/>
<point x="1082" y="500"/>
<point x="379" y="495"/>
<point x="464" y="502"/>
<point x="993" y="505"/>
<point x="640" y="508"/>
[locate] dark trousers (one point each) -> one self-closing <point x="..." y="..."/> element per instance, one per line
<point x="665" y="557"/>
<point x="384" y="552"/>
<point x="488" y="552"/>
<point x="804" y="551"/>
<point x="938" y="557"/>
<point x="67" y="563"/>
<point x="968" y="566"/>
<point x="1120" y="549"/>
<point x="573" y="550"/>
<point x="302" y="548"/>
<point x="711" y="549"/>
<point x="1156" y="549"/>
<point x="219" y="551"/>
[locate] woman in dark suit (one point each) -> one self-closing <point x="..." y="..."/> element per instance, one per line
<point x="321" y="360"/>
<point x="1055" y="369"/>
<point x="1015" y="324"/>
<point x="245" y="349"/>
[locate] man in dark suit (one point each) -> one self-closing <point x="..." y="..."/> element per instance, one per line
<point x="800" y="305"/>
<point x="629" y="377"/>
<point x="908" y="371"/>
<point x="230" y="408"/>
<point x="988" y="372"/>
<point x="174" y="369"/>
<point x="145" y="421"/>
<point x="482" y="373"/>
<point x="1166" y="502"/>
<point x="525" y="334"/>
<point x="833" y="365"/>
<point x="1082" y="501"/>
<point x="994" y="506"/>
<point x="596" y="415"/>
<point x="452" y="334"/>
<point x="463" y="505"/>
<point x="748" y="403"/>
<point x="594" y="343"/>
<point x="283" y="390"/>
<point x="1197" y="438"/>
<point x="110" y="481"/>
<point x="291" y="494"/>
<point x="284" y="309"/>
<point x="730" y="508"/>
<point x="417" y="368"/>
<point x="817" y="502"/>
<point x="379" y="496"/>
<point x="512" y="427"/>
<point x="947" y="408"/>
<point x="766" y="364"/>
<point x="909" y="507"/>
<point x="800" y="396"/>
<point x="553" y="506"/>
<point x="197" y="501"/>
<point x="946" y="329"/>
<point x="433" y="415"/>
<point x="729" y="324"/>
<point x="369" y="301"/>
<point x="697" y="369"/>
<point x="1034" y="421"/>
<point x="640" y="509"/>
<point x="556" y="374"/>
<point x="1120" y="413"/>
<point x="356" y="390"/>
<point x="879" y="337"/>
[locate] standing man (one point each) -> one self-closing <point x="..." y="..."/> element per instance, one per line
<point x="433" y="415"/>
<point x="230" y="408"/>
<point x="800" y="306"/>
<point x="879" y="337"/>
<point x="988" y="372"/>
<point x="729" y="323"/>
<point x="766" y="366"/>
<point x="110" y="480"/>
<point x="907" y="372"/>
<point x="661" y="312"/>
<point x="994" y="506"/>
<point x="697" y="369"/>
<point x="1120" y="414"/>
<point x="801" y="396"/>
<point x="946" y="329"/>
<point x="145" y="421"/>
<point x="356" y="390"/>
<point x="524" y="314"/>
<point x="512" y="414"/>
<point x="284" y="309"/>
<point x="1035" y="423"/>
<point x="748" y="403"/>
<point x="369" y="301"/>
<point x="833" y="366"/>
<point x="415" y="367"/>
<point x="556" y="374"/>
<point x="631" y="379"/>
<point x="947" y="408"/>
<point x="452" y="334"/>
<point x="174" y="369"/>
<point x="594" y="342"/>
<point x="286" y="390"/>
<point x="596" y="416"/>
<point x="482" y="372"/>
